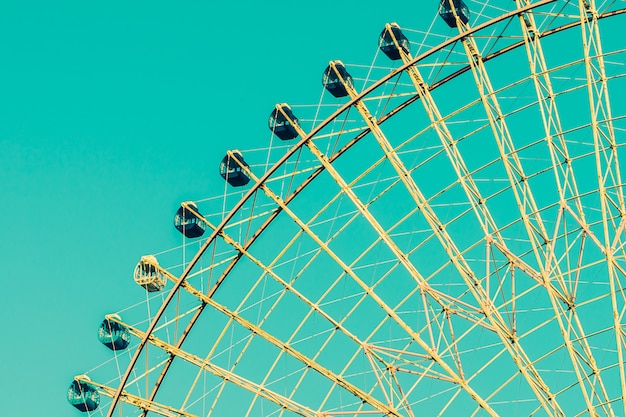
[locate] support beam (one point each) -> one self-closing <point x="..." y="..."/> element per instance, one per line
<point x="503" y="330"/>
<point x="135" y="401"/>
<point x="291" y="152"/>
<point x="607" y="167"/>
<point x="370" y="292"/>
<point x="220" y="372"/>
<point x="571" y="330"/>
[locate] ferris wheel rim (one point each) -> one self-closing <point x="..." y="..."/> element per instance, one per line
<point x="345" y="107"/>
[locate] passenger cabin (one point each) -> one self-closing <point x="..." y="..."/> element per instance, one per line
<point x="114" y="335"/>
<point x="231" y="169"/>
<point x="392" y="40"/>
<point x="332" y="79"/>
<point x="447" y="13"/>
<point x="187" y="223"/>
<point x="83" y="396"/>
<point x="282" y="121"/>
<point x="149" y="274"/>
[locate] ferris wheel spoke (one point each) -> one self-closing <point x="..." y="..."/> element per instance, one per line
<point x="607" y="165"/>
<point x="448" y="303"/>
<point x="605" y="147"/>
<point x="465" y="178"/>
<point x="443" y="300"/>
<point x="283" y="346"/>
<point x="525" y="200"/>
<point x="560" y="155"/>
<point x="478" y="202"/>
<point x="218" y="371"/>
<point x="568" y="192"/>
<point x="526" y="203"/>
<point x="242" y="250"/>
<point x="288" y="286"/>
<point x="503" y="329"/>
<point x="425" y="95"/>
<point x="370" y="292"/>
<point x="138" y="402"/>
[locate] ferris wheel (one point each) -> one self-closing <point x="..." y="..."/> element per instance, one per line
<point x="444" y="234"/>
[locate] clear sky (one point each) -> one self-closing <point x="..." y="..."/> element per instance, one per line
<point x="111" y="114"/>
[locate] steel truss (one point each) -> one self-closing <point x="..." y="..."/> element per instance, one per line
<point x="433" y="352"/>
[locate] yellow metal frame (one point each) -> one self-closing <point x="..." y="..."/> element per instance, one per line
<point x="549" y="276"/>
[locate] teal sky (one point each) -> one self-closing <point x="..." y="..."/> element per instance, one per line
<point x="111" y="114"/>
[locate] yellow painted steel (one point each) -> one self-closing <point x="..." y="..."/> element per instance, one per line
<point x="371" y="293"/>
<point x="608" y="171"/>
<point x="492" y="234"/>
<point x="505" y="333"/>
<point x="548" y="275"/>
<point x="221" y="372"/>
<point x="385" y="409"/>
<point x="136" y="401"/>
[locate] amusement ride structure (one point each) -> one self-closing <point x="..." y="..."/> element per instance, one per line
<point x="444" y="234"/>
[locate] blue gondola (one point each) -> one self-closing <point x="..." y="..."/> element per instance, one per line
<point x="282" y="121"/>
<point x="83" y="396"/>
<point x="447" y="13"/>
<point x="114" y="335"/>
<point x="231" y="169"/>
<point x="187" y="222"/>
<point x="332" y="79"/>
<point x="390" y="47"/>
